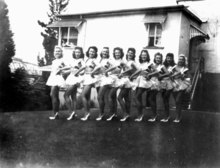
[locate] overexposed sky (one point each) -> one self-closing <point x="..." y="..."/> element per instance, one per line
<point x="23" y="16"/>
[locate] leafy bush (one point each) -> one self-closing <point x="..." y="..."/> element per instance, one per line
<point x="21" y="95"/>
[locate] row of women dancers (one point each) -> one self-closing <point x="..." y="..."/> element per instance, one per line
<point x="109" y="75"/>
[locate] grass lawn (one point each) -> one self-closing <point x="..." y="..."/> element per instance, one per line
<point x="31" y="140"/>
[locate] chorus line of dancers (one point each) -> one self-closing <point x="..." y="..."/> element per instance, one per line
<point x="124" y="74"/>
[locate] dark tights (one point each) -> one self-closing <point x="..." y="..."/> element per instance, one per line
<point x="112" y="99"/>
<point x="178" y="96"/>
<point x="54" y="94"/>
<point x="138" y="99"/>
<point x="101" y="97"/>
<point x="70" y="97"/>
<point x="153" y="101"/>
<point x="147" y="100"/>
<point x="124" y="100"/>
<point x="166" y="97"/>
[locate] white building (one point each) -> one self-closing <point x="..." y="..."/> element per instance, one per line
<point x="162" y="29"/>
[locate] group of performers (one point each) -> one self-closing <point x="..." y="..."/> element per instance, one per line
<point x="109" y="75"/>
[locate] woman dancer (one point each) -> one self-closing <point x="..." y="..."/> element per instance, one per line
<point x="153" y="77"/>
<point x="129" y="68"/>
<point x="103" y="81"/>
<point x="56" y="80"/>
<point x="181" y="84"/>
<point x="142" y="84"/>
<point x="113" y="73"/>
<point x="73" y="81"/>
<point x="89" y="79"/>
<point x="166" y="84"/>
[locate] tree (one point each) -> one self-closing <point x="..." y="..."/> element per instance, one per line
<point x="49" y="35"/>
<point x="7" y="51"/>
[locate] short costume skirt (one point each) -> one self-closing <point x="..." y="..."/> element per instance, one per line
<point x="113" y="78"/>
<point x="89" y="80"/>
<point x="144" y="83"/>
<point x="72" y="79"/>
<point x="55" y="80"/>
<point x="155" y="83"/>
<point x="180" y="84"/>
<point x="124" y="82"/>
<point x="103" y="80"/>
<point x="166" y="84"/>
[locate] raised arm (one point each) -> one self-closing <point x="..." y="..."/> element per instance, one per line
<point x="133" y="67"/>
<point x="80" y="70"/>
<point x="165" y="73"/>
<point x="153" y="72"/>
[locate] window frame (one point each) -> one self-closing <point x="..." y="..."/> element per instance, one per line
<point x="155" y="35"/>
<point x="74" y="37"/>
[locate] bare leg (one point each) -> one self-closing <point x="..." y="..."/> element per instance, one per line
<point x="55" y="98"/>
<point x="112" y="99"/>
<point x="166" y="98"/>
<point x="70" y="100"/>
<point x="101" y="99"/>
<point x="54" y="93"/>
<point x="71" y="93"/>
<point x="139" y="104"/>
<point x="124" y="101"/>
<point x="86" y="100"/>
<point x="178" y="98"/>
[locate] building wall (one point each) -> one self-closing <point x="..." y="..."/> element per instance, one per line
<point x="211" y="48"/>
<point x="171" y="34"/>
<point x="208" y="92"/>
<point x="184" y="36"/>
<point x="128" y="31"/>
<point x="122" y="31"/>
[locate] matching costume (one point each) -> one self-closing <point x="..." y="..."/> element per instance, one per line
<point x="55" y="78"/>
<point x="112" y="79"/>
<point x="166" y="83"/>
<point x="125" y="81"/>
<point x="114" y="74"/>
<point x="90" y="65"/>
<point x="154" y="80"/>
<point x="141" y="81"/>
<point x="75" y="65"/>
<point x="103" y="80"/>
<point x="180" y="83"/>
<point x="99" y="79"/>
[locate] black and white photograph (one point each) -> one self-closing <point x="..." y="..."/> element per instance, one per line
<point x="109" y="84"/>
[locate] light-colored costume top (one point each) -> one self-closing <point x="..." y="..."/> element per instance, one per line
<point x="54" y="78"/>
<point x="154" y="79"/>
<point x="103" y="65"/>
<point x="179" y="83"/>
<point x="141" y="80"/>
<point x="113" y="75"/>
<point x="166" y="82"/>
<point x="125" y="81"/>
<point x="90" y="65"/>
<point x="75" y="65"/>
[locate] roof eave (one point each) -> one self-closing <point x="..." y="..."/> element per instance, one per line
<point x="133" y="11"/>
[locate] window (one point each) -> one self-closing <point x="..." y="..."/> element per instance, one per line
<point x="68" y="31"/>
<point x="69" y="36"/>
<point x="154" y="34"/>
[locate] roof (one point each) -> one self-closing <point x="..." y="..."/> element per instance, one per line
<point x="160" y="9"/>
<point x="65" y="23"/>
